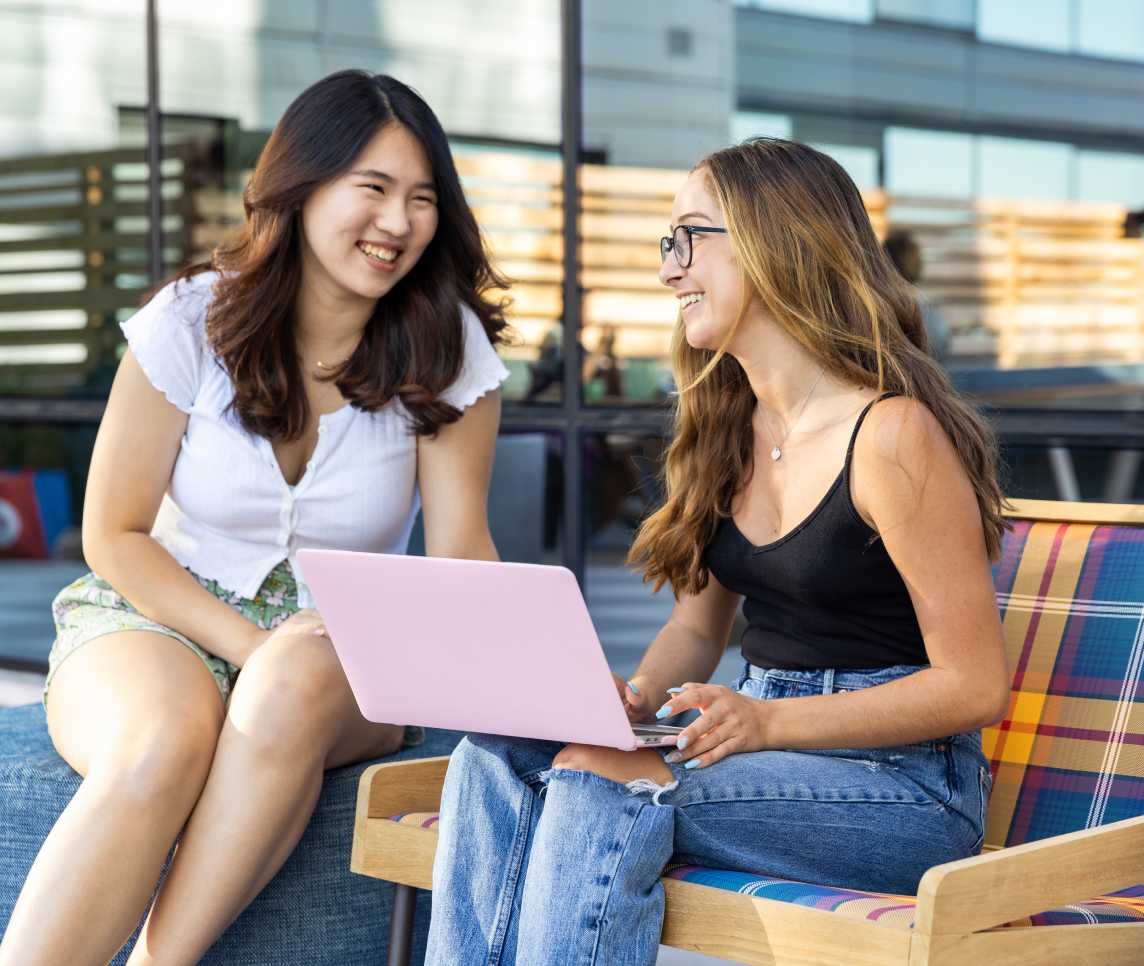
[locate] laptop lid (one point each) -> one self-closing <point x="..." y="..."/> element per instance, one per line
<point x="468" y="645"/>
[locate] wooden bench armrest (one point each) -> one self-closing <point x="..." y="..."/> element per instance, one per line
<point x="997" y="887"/>
<point x="399" y="787"/>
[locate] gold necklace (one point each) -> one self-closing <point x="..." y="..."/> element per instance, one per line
<point x="777" y="452"/>
<point x="325" y="368"/>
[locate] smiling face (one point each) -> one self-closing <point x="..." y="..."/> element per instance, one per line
<point x="364" y="230"/>
<point x="710" y="289"/>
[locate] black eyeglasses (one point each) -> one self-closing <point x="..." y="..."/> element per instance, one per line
<point x="680" y="241"/>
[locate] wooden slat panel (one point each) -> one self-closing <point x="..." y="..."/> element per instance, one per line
<point x="1021" y="279"/>
<point x="89" y="300"/>
<point x="510" y="168"/>
<point x="27" y="337"/>
<point x="77" y="241"/>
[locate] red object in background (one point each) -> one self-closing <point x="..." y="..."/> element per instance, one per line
<point x="21" y="529"/>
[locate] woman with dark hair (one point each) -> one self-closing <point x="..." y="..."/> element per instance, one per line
<point x="824" y="472"/>
<point x="323" y="375"/>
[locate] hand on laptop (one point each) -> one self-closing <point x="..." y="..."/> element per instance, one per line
<point x="636" y="702"/>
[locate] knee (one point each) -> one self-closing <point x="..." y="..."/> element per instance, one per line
<point x="492" y="764"/>
<point x="474" y="759"/>
<point x="161" y="762"/>
<point x="291" y="696"/>
<point x="615" y="765"/>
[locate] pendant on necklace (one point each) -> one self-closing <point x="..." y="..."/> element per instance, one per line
<point x="776" y="454"/>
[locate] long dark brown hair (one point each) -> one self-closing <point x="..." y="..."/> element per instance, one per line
<point x="413" y="344"/>
<point x="803" y="240"/>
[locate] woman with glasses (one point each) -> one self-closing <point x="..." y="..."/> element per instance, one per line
<point x="824" y="474"/>
<point x="329" y="369"/>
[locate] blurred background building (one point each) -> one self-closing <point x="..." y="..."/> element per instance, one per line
<point x="999" y="145"/>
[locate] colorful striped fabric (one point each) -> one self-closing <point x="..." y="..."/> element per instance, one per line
<point x="420" y="819"/>
<point x="1070" y="753"/>
<point x="890" y="910"/>
<point x="880" y="907"/>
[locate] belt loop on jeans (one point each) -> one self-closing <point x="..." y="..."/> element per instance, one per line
<point x="828" y="681"/>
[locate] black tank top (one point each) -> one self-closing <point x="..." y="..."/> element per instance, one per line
<point x="826" y="595"/>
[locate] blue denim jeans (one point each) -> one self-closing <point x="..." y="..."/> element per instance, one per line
<point x="541" y="865"/>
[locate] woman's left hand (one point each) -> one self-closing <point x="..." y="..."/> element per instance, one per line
<point x="729" y="723"/>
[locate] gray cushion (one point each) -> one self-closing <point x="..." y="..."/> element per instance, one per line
<point x="315" y="911"/>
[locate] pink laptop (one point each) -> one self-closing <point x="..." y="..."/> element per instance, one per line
<point x="470" y="645"/>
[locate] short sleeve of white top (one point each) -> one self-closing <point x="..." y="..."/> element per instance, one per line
<point x="229" y="515"/>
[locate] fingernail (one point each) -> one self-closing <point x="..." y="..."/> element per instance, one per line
<point x="693" y="763"/>
<point x="673" y="758"/>
<point x="664" y="711"/>
<point x="682" y="742"/>
<point x="632" y="687"/>
<point x="674" y="690"/>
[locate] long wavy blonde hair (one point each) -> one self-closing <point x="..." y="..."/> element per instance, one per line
<point x="803" y="240"/>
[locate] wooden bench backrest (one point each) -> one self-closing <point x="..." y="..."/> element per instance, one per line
<point x="1070" y="753"/>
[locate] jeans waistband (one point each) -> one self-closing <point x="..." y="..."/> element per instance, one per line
<point x="827" y="679"/>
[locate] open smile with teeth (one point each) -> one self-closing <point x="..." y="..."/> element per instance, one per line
<point x="379" y="252"/>
<point x="691" y="299"/>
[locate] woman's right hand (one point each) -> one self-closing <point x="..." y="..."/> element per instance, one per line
<point x="308" y="622"/>
<point x="637" y="702"/>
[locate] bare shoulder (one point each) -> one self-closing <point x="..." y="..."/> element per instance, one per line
<point x="904" y="457"/>
<point x="903" y="432"/>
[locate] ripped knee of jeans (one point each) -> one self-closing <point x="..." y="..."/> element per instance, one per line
<point x="642" y="786"/>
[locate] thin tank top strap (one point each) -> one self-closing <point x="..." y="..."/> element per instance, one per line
<point x="858" y="425"/>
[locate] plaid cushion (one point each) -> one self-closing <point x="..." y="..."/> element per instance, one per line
<point x="422" y="819"/>
<point x="891" y="910"/>
<point x="1070" y="753"/>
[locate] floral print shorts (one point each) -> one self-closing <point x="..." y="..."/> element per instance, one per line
<point x="90" y="607"/>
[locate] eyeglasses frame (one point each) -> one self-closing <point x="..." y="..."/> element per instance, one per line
<point x="667" y="242"/>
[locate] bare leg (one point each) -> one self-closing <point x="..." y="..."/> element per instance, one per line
<point x="291" y="716"/>
<point x="613" y="764"/>
<point x="138" y="715"/>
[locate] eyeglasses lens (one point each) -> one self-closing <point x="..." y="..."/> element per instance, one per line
<point x="681" y="241"/>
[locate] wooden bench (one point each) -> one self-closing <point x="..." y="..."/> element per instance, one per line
<point x="1066" y="816"/>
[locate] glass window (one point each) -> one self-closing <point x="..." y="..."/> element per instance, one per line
<point x="1105" y="176"/>
<point x="73" y="195"/>
<point x="756" y="124"/>
<point x="1015" y="168"/>
<point x="514" y="190"/>
<point x="860" y="163"/>
<point x="1111" y="28"/>
<point x="859" y="11"/>
<point x="1026" y="23"/>
<point x="933" y="163"/>
<point x="938" y="13"/>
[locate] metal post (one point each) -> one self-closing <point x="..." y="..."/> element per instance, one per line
<point x="154" y="149"/>
<point x="401" y="925"/>
<point x="1064" y="473"/>
<point x="1123" y="468"/>
<point x="571" y="127"/>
